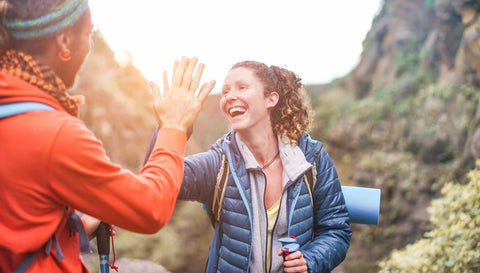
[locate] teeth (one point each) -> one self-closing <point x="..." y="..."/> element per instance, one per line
<point x="236" y="111"/>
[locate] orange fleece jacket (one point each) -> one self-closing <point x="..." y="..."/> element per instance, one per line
<point x="50" y="160"/>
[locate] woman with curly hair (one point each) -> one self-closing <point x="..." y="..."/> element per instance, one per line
<point x="263" y="160"/>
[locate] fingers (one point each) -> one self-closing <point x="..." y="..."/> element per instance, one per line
<point x="114" y="230"/>
<point x="180" y="105"/>
<point x="179" y="71"/>
<point x="294" y="262"/>
<point x="183" y="72"/>
<point x="157" y="96"/>
<point x="156" y="93"/>
<point x="187" y="77"/>
<point x="294" y="256"/>
<point x="165" y="81"/>
<point x="182" y="77"/>
<point x="205" y="90"/>
<point x="198" y="75"/>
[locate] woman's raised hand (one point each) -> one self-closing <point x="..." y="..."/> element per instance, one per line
<point x="180" y="105"/>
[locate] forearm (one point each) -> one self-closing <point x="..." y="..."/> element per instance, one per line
<point x="327" y="250"/>
<point x="200" y="175"/>
<point x="166" y="160"/>
<point x="332" y="231"/>
<point x="85" y="179"/>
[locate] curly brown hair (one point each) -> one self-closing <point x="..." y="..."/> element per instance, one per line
<point x="291" y="116"/>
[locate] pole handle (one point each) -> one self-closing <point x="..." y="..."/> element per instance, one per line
<point x="103" y="239"/>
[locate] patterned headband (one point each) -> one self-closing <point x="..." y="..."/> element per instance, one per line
<point x="50" y="24"/>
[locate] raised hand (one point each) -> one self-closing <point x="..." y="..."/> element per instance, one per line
<point x="180" y="105"/>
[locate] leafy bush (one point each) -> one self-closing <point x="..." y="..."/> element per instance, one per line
<point x="430" y="4"/>
<point x="442" y="116"/>
<point x="452" y="246"/>
<point x="328" y="109"/>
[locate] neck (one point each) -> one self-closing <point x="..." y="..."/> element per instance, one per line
<point x="263" y="145"/>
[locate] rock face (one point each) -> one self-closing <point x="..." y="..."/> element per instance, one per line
<point x="413" y="120"/>
<point x="468" y="58"/>
<point x="441" y="37"/>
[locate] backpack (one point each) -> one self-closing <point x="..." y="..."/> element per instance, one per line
<point x="363" y="204"/>
<point x="74" y="222"/>
<point x="222" y="178"/>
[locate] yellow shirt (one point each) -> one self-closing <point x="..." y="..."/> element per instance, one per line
<point x="272" y="214"/>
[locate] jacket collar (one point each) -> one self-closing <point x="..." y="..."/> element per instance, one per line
<point x="293" y="158"/>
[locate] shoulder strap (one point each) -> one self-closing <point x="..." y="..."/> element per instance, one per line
<point x="12" y="109"/>
<point x="219" y="191"/>
<point x="310" y="179"/>
<point x="26" y="262"/>
<point x="75" y="225"/>
<point x="74" y="222"/>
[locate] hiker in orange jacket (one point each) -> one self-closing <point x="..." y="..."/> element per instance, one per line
<point x="51" y="164"/>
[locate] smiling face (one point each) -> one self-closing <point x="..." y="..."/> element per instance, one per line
<point x="244" y="103"/>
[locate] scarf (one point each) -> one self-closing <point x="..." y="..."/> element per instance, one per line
<point x="28" y="69"/>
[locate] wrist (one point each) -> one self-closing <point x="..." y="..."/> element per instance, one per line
<point x="172" y="126"/>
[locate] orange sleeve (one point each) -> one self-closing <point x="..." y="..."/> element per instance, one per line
<point x="82" y="176"/>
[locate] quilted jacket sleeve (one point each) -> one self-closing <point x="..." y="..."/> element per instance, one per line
<point x="332" y="231"/>
<point x="200" y="176"/>
<point x="200" y="173"/>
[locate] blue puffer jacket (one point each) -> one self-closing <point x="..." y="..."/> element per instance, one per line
<point x="322" y="230"/>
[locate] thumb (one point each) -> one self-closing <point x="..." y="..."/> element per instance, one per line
<point x="157" y="97"/>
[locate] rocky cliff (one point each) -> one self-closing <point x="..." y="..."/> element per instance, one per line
<point x="406" y="119"/>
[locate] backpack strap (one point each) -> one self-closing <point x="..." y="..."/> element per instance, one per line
<point x="75" y="225"/>
<point x="74" y="222"/>
<point x="219" y="190"/>
<point x="12" y="109"/>
<point x="26" y="262"/>
<point x="310" y="179"/>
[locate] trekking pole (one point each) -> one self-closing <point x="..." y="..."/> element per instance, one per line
<point x="103" y="246"/>
<point x="289" y="245"/>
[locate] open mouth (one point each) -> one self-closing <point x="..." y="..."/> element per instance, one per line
<point x="236" y="111"/>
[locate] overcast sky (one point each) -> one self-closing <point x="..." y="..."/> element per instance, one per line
<point x="318" y="40"/>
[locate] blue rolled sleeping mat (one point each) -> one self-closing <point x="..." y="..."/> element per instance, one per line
<point x="363" y="204"/>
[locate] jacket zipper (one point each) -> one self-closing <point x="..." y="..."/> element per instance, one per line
<point x="266" y="221"/>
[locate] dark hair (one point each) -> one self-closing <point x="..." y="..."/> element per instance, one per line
<point x="291" y="116"/>
<point x="24" y="10"/>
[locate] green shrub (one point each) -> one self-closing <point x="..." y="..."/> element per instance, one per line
<point x="453" y="244"/>
<point x="328" y="108"/>
<point x="430" y="4"/>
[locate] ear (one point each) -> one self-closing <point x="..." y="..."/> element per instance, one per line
<point x="63" y="40"/>
<point x="272" y="100"/>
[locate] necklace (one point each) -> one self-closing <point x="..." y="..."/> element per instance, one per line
<point x="271" y="160"/>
